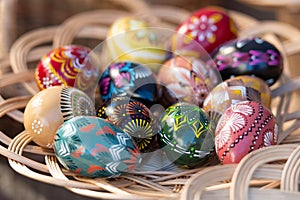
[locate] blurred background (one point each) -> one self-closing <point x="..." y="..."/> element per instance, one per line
<point x="25" y="15"/>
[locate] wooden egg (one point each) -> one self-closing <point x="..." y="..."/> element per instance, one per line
<point x="50" y="108"/>
<point x="249" y="56"/>
<point x="128" y="79"/>
<point x="61" y="66"/>
<point x="188" y="79"/>
<point x="185" y="135"/>
<point x="206" y="28"/>
<point x="244" y="127"/>
<point x="93" y="147"/>
<point x="134" y="118"/>
<point x="131" y="39"/>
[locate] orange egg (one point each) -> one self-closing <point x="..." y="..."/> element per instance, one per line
<point x="50" y="108"/>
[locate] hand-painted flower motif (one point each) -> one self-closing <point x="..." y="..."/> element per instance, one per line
<point x="188" y="79"/>
<point x="204" y="27"/>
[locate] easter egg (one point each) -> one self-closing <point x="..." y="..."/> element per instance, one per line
<point x="185" y="135"/>
<point x="188" y="79"/>
<point x="244" y="127"/>
<point x="206" y="28"/>
<point x="249" y="56"/>
<point x="128" y="79"/>
<point x="50" y="108"/>
<point x="93" y="147"/>
<point x="63" y="65"/>
<point x="232" y="91"/>
<point x="131" y="39"/>
<point x="132" y="117"/>
<point x="255" y="83"/>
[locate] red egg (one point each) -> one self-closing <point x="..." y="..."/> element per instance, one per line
<point x="63" y="65"/>
<point x="209" y="27"/>
<point x="243" y="128"/>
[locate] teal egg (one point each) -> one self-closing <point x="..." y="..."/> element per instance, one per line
<point x="185" y="135"/>
<point x="93" y="147"/>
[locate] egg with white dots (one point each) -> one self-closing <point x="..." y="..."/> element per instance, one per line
<point x="185" y="135"/>
<point x="50" y="108"/>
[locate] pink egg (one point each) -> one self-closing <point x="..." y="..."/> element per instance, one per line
<point x="243" y="128"/>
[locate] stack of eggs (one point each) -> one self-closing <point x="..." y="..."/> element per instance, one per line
<point x="202" y="116"/>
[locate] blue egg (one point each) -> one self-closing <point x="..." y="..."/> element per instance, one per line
<point x="93" y="147"/>
<point x="128" y="79"/>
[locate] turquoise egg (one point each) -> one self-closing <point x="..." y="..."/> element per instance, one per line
<point x="93" y="147"/>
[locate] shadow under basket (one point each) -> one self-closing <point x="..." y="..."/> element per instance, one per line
<point x="271" y="172"/>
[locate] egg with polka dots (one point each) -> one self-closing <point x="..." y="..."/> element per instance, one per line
<point x="185" y="135"/>
<point x="243" y="128"/>
<point x="50" y="108"/>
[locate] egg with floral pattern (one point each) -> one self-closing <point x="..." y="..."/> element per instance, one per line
<point x="249" y="56"/>
<point x="128" y="79"/>
<point x="244" y="127"/>
<point x="134" y="118"/>
<point x="67" y="65"/>
<point x="50" y="108"/>
<point x="206" y="28"/>
<point x="185" y="135"/>
<point x="188" y="79"/>
<point x="94" y="147"/>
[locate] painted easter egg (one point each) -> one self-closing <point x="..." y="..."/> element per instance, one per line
<point x="233" y="91"/>
<point x="255" y="83"/>
<point x="185" y="135"/>
<point x="206" y="28"/>
<point x="244" y="127"/>
<point x="188" y="79"/>
<point x="50" y="108"/>
<point x="133" y="117"/>
<point x="63" y="65"/>
<point x="93" y="147"/>
<point x="131" y="39"/>
<point x="128" y="79"/>
<point x="249" y="56"/>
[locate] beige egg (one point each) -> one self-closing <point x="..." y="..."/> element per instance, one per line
<point x="50" y="108"/>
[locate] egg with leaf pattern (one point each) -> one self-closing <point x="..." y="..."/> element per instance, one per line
<point x="185" y="135"/>
<point x="94" y="147"/>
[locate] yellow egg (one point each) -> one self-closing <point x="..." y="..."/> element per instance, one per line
<point x="50" y="108"/>
<point x="131" y="39"/>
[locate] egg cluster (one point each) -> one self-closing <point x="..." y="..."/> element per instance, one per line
<point x="152" y="96"/>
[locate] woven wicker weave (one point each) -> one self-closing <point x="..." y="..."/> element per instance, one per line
<point x="266" y="173"/>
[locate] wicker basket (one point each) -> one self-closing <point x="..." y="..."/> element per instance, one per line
<point x="266" y="173"/>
